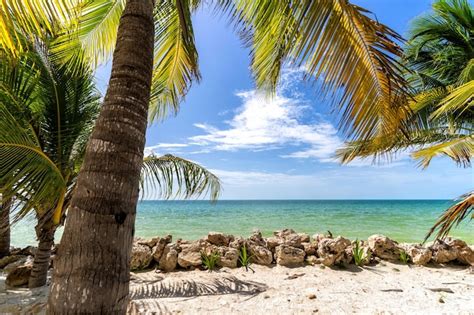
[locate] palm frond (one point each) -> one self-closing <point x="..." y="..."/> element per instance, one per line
<point x="458" y="100"/>
<point x="176" y="57"/>
<point x="25" y="170"/>
<point x="33" y="18"/>
<point x="460" y="150"/>
<point x="453" y="216"/>
<point x="170" y="176"/>
<point x="94" y="31"/>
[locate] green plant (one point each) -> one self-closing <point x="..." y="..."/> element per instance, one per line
<point x="245" y="259"/>
<point x="209" y="261"/>
<point x="360" y="258"/>
<point x="404" y="258"/>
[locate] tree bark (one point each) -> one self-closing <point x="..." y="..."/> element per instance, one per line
<point x="92" y="267"/>
<point x="39" y="273"/>
<point x="5" y="207"/>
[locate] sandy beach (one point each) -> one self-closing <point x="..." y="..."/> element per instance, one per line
<point x="384" y="288"/>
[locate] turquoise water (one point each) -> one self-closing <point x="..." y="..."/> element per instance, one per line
<point x="403" y="220"/>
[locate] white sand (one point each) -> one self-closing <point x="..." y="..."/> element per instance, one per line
<point x="382" y="289"/>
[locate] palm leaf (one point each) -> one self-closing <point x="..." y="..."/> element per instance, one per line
<point x="176" y="58"/>
<point x="453" y="216"/>
<point x="171" y="176"/>
<point x="459" y="100"/>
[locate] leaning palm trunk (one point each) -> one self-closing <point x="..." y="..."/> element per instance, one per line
<point x="39" y="273"/>
<point x="5" y="206"/>
<point x="91" y="271"/>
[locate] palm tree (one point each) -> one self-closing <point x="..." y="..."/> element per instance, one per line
<point x="47" y="117"/>
<point x="440" y="54"/>
<point x="155" y="59"/>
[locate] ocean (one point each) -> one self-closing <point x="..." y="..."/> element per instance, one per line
<point x="402" y="220"/>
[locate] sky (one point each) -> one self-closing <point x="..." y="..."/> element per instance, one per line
<point x="283" y="148"/>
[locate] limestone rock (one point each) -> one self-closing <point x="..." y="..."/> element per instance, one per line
<point x="289" y="256"/>
<point x="317" y="237"/>
<point x="257" y="239"/>
<point x="284" y="233"/>
<point x="333" y="251"/>
<point x="10" y="259"/>
<point x="385" y="248"/>
<point x="443" y="253"/>
<point x="219" y="239"/>
<point x="190" y="255"/>
<point x="237" y="243"/>
<point x="464" y="252"/>
<point x="304" y="238"/>
<point x="159" y="247"/>
<point x="25" y="260"/>
<point x="419" y="255"/>
<point x="288" y="237"/>
<point x="260" y="255"/>
<point x="310" y="248"/>
<point x="141" y="257"/>
<point x="273" y="242"/>
<point x="228" y="257"/>
<point x="19" y="276"/>
<point x="169" y="258"/>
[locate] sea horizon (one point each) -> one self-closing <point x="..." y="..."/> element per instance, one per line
<point x="405" y="220"/>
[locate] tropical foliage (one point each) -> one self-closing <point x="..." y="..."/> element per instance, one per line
<point x="440" y="55"/>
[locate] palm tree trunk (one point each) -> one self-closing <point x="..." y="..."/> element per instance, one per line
<point x="92" y="267"/>
<point x="42" y="258"/>
<point x="5" y="206"/>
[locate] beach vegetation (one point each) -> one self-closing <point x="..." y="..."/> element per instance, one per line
<point x="210" y="260"/>
<point x="404" y="257"/>
<point x="440" y="119"/>
<point x="360" y="257"/>
<point x="245" y="259"/>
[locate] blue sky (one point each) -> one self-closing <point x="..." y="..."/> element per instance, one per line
<point x="283" y="148"/>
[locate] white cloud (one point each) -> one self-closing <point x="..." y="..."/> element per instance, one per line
<point x="263" y="122"/>
<point x="163" y="147"/>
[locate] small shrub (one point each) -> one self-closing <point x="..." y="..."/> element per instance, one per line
<point x="245" y="258"/>
<point x="209" y="261"/>
<point x="358" y="253"/>
<point x="404" y="257"/>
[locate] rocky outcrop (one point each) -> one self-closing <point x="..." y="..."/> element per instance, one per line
<point x="419" y="255"/>
<point x="228" y="257"/>
<point x="190" y="255"/>
<point x="443" y="253"/>
<point x="289" y="256"/>
<point x="19" y="276"/>
<point x="465" y="254"/>
<point x="159" y="247"/>
<point x="141" y="256"/>
<point x="169" y="258"/>
<point x="384" y="248"/>
<point x="260" y="254"/>
<point x="219" y="239"/>
<point x="333" y="251"/>
<point x="310" y="248"/>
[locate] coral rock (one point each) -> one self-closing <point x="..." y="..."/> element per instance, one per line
<point x="169" y="258"/>
<point x="385" y="248"/>
<point x="141" y="257"/>
<point x="260" y="255"/>
<point x="19" y="276"/>
<point x="159" y="247"/>
<point x="333" y="251"/>
<point x="289" y="256"/>
<point x="219" y="239"/>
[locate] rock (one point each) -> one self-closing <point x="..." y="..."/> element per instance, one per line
<point x="141" y="257"/>
<point x="310" y="248"/>
<point x="147" y="242"/>
<point x="19" y="276"/>
<point x="289" y="256"/>
<point x="219" y="239"/>
<point x="25" y="260"/>
<point x="383" y="247"/>
<point x="443" y="253"/>
<point x="159" y="247"/>
<point x="237" y="243"/>
<point x="304" y="238"/>
<point x="284" y="233"/>
<point x="169" y="258"/>
<point x="228" y="257"/>
<point x="312" y="260"/>
<point x="273" y="242"/>
<point x="333" y="251"/>
<point x="418" y="254"/>
<point x="317" y="237"/>
<point x="260" y="255"/>
<point x="311" y="296"/>
<point x="10" y="259"/>
<point x="190" y="255"/>
<point x="465" y="253"/>
<point x="257" y="239"/>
